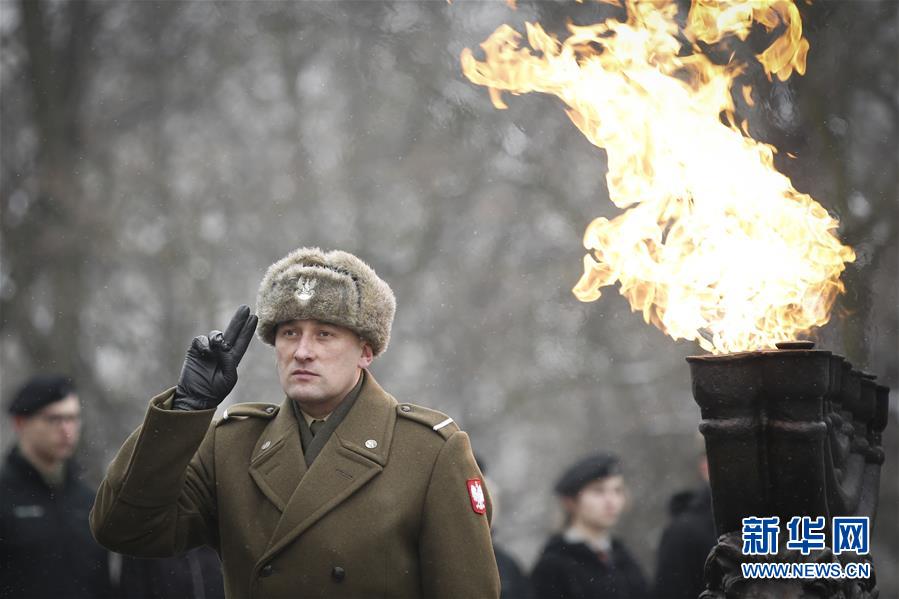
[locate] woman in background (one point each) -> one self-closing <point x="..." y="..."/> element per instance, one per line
<point x="585" y="561"/>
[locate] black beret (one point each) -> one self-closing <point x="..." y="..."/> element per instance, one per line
<point x="40" y="391"/>
<point x="587" y="470"/>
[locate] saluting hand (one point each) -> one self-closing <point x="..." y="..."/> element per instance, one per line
<point x="210" y="368"/>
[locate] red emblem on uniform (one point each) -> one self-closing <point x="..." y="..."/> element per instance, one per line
<point x="476" y="494"/>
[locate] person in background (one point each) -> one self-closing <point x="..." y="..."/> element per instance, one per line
<point x="687" y="541"/>
<point x="585" y="561"/>
<point x="514" y="584"/>
<point x="46" y="547"/>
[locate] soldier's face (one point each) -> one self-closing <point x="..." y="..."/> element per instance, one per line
<point x="318" y="363"/>
<point x="598" y="506"/>
<point x="52" y="433"/>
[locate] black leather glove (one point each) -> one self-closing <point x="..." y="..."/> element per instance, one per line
<point x="210" y="368"/>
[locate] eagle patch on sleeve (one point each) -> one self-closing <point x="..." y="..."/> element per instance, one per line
<point x="476" y="494"/>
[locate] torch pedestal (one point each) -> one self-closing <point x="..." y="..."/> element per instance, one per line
<point x="788" y="432"/>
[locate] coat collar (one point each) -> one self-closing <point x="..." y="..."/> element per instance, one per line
<point x="355" y="453"/>
<point x="277" y="462"/>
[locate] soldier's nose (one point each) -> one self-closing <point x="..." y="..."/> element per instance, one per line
<point x="303" y="350"/>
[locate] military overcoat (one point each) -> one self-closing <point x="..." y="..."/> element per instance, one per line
<point x="385" y="510"/>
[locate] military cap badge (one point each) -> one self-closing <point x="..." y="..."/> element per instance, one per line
<point x="305" y="289"/>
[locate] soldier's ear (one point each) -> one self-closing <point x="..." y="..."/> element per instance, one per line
<point x="367" y="355"/>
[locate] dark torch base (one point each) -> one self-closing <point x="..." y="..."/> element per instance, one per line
<point x="788" y="432"/>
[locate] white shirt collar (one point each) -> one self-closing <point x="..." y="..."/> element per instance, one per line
<point x="603" y="543"/>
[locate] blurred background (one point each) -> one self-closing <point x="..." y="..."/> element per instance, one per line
<point x="157" y="156"/>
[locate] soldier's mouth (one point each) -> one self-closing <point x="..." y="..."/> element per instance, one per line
<point x="303" y="374"/>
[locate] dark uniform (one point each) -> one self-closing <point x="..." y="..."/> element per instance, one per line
<point x="46" y="549"/>
<point x="685" y="545"/>
<point x="513" y="582"/>
<point x="572" y="570"/>
<point x="389" y="507"/>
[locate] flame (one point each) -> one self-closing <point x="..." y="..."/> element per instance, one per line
<point x="714" y="245"/>
<point x="711" y="21"/>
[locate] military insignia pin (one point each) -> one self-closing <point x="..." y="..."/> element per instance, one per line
<point x="476" y="494"/>
<point x="305" y="289"/>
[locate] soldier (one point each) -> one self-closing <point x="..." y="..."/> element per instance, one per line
<point x="338" y="492"/>
<point x="687" y="540"/>
<point x="46" y="549"/>
<point x="585" y="561"/>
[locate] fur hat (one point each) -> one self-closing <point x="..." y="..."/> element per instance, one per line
<point x="334" y="287"/>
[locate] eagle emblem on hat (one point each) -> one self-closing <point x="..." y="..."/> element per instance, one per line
<point x="305" y="289"/>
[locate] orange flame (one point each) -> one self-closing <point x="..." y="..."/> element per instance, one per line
<point x="714" y="245"/>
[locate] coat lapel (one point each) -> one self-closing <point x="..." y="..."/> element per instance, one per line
<point x="345" y="464"/>
<point x="277" y="465"/>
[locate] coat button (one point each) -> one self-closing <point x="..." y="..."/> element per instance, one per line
<point x="269" y="409"/>
<point x="406" y="408"/>
<point x="266" y="571"/>
<point x="338" y="573"/>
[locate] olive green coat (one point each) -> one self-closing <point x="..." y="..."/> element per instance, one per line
<point x="383" y="511"/>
